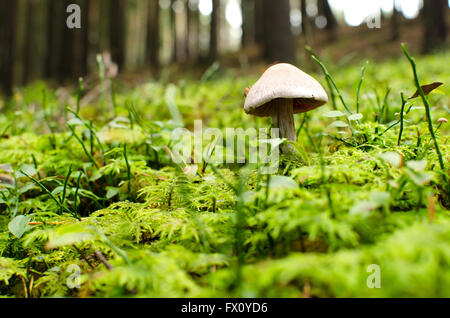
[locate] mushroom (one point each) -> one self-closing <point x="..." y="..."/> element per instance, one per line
<point x="282" y="91"/>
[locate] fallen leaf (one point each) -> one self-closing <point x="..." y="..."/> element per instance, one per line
<point x="427" y="89"/>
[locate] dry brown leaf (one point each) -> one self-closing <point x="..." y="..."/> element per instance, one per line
<point x="427" y="89"/>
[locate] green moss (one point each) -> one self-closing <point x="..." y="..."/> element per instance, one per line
<point x="204" y="230"/>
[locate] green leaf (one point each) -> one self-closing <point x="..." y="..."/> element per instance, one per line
<point x="27" y="187"/>
<point x="95" y="176"/>
<point x="363" y="208"/>
<point x="75" y="121"/>
<point x="392" y="158"/>
<point x="19" y="225"/>
<point x="248" y="196"/>
<point x="417" y="165"/>
<point x="111" y="192"/>
<point x="170" y="95"/>
<point x="28" y="169"/>
<point x="333" y="113"/>
<point x="338" y="124"/>
<point x="380" y="198"/>
<point x="57" y="190"/>
<point x="419" y="178"/>
<point x="282" y="182"/>
<point x="355" y="117"/>
<point x="71" y="234"/>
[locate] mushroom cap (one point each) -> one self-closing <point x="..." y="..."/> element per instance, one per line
<point x="284" y="81"/>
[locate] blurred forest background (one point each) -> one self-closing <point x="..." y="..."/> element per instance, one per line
<point x="151" y="36"/>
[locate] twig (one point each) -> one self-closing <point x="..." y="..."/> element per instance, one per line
<point x="128" y="167"/>
<point x="361" y="78"/>
<point x="84" y="257"/>
<point x="79" y="92"/>
<point x="3" y="133"/>
<point x="83" y="146"/>
<point x="75" y="205"/>
<point x="65" y="185"/>
<point x="103" y="260"/>
<point x="431" y="208"/>
<point x="24" y="287"/>
<point x="401" y="118"/>
<point x="49" y="223"/>
<point x="328" y="75"/>
<point x="302" y="124"/>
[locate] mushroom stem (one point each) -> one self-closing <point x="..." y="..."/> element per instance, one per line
<point x="283" y="118"/>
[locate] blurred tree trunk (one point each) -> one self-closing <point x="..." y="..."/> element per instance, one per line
<point x="259" y="21"/>
<point x="66" y="52"/>
<point x="35" y="37"/>
<point x="153" y="35"/>
<point x="214" y="31"/>
<point x="93" y="42"/>
<point x="198" y="24"/>
<point x="279" y="41"/>
<point x="55" y="32"/>
<point x="85" y="28"/>
<point x="117" y="25"/>
<point x="80" y="44"/>
<point x="193" y="30"/>
<point x="104" y="21"/>
<point x="173" y="28"/>
<point x="325" y="10"/>
<point x="435" y="33"/>
<point x="8" y="44"/>
<point x="305" y="21"/>
<point x="187" y="36"/>
<point x="395" y="28"/>
<point x="30" y="7"/>
<point x="49" y="61"/>
<point x="248" y="22"/>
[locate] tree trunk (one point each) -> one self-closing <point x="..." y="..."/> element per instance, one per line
<point x="214" y="31"/>
<point x="117" y="27"/>
<point x="85" y="29"/>
<point x="153" y="35"/>
<point x="80" y="44"/>
<point x="197" y="34"/>
<point x="435" y="32"/>
<point x="49" y="61"/>
<point x="248" y="22"/>
<point x="279" y="41"/>
<point x="35" y="40"/>
<point x="325" y="10"/>
<point x="30" y="7"/>
<point x="395" y="32"/>
<point x="305" y="21"/>
<point x="259" y="22"/>
<point x="8" y="40"/>
<point x="173" y="28"/>
<point x="66" y="53"/>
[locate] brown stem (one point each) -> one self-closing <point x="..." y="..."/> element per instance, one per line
<point x="283" y="118"/>
<point x="84" y="257"/>
<point x="103" y="260"/>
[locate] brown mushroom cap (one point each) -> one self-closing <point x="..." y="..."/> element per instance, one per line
<point x="284" y="81"/>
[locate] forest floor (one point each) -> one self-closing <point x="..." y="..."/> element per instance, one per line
<point x="92" y="203"/>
